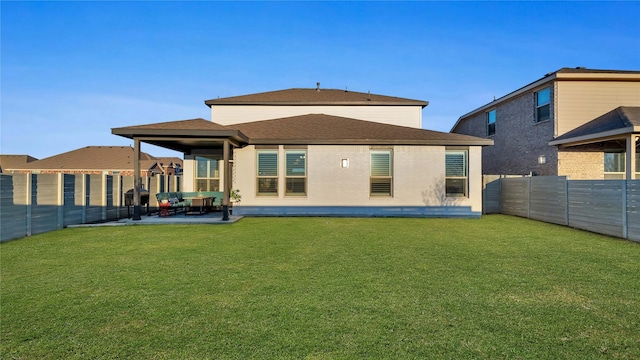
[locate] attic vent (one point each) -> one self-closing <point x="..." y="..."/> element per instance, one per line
<point x="581" y="67"/>
<point x="368" y="95"/>
<point x="318" y="86"/>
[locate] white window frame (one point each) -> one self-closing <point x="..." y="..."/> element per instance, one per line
<point x="449" y="177"/>
<point x="208" y="179"/>
<point x="260" y="176"/>
<point x="375" y="177"/>
<point x="292" y="174"/>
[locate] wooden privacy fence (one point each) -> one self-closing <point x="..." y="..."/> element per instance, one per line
<point x="36" y="203"/>
<point x="610" y="207"/>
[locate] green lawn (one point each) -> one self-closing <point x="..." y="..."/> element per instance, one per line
<point x="322" y="288"/>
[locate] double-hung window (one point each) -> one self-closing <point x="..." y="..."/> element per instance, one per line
<point x="267" y="172"/>
<point x="457" y="180"/>
<point x="381" y="181"/>
<point x="207" y="174"/>
<point x="296" y="172"/>
<point x="614" y="165"/>
<point x="543" y="107"/>
<point x="491" y="122"/>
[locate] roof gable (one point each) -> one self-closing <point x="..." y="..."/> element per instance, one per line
<point x="306" y="96"/>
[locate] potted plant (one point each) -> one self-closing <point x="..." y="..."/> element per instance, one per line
<point x="234" y="197"/>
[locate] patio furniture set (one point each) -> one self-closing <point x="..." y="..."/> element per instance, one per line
<point x="191" y="203"/>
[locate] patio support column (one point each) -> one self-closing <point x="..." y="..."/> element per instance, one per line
<point x="136" y="179"/>
<point x="631" y="157"/>
<point x="227" y="179"/>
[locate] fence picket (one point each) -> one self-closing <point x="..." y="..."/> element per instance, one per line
<point x="36" y="203"/>
<point x="610" y="207"/>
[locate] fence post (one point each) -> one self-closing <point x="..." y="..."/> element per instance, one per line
<point x="60" y="200"/>
<point x="103" y="197"/>
<point x="566" y="201"/>
<point x="117" y="194"/>
<point x="625" y="213"/>
<point x="84" y="198"/>
<point x="529" y="197"/>
<point x="28" y="201"/>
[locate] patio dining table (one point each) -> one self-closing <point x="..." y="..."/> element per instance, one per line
<point x="199" y="205"/>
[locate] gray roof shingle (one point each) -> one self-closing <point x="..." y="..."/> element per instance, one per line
<point x="620" y="118"/>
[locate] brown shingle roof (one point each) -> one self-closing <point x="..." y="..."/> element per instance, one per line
<point x="190" y="124"/>
<point x="584" y="70"/>
<point x="305" y="96"/>
<point x="94" y="158"/>
<point x="15" y="162"/>
<point x="329" y="129"/>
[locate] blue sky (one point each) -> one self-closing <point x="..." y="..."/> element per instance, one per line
<point x="71" y="71"/>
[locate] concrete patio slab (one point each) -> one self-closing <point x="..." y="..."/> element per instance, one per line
<point x="214" y="218"/>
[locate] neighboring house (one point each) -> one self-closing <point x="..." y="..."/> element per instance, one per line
<point x="14" y="162"/>
<point x="575" y="122"/>
<point x="110" y="160"/>
<point x="325" y="152"/>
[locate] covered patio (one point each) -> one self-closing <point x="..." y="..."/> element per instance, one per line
<point x="190" y="137"/>
<point x="617" y="131"/>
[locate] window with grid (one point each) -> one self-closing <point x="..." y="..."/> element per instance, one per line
<point x="543" y="107"/>
<point x="491" y="122"/>
<point x="456" y="173"/>
<point x="267" y="172"/>
<point x="381" y="173"/>
<point x="207" y="174"/>
<point x="296" y="172"/>
<point x="614" y="165"/>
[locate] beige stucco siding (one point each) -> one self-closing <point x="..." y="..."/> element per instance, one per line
<point x="578" y="102"/>
<point x="188" y="174"/>
<point x="418" y="178"/>
<point x="410" y="116"/>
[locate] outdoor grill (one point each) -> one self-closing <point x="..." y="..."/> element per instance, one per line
<point x="144" y="200"/>
<point x="144" y="197"/>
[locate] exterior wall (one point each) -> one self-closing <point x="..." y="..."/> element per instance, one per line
<point x="188" y="173"/>
<point x="518" y="140"/>
<point x="582" y="101"/>
<point x="581" y="162"/>
<point x="418" y="179"/>
<point x="410" y="116"/>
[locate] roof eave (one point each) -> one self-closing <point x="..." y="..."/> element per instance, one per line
<point x="596" y="137"/>
<point x="482" y="142"/>
<point x="322" y="103"/>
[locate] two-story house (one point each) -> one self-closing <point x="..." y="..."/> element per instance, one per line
<point x="575" y="122"/>
<point x="330" y="152"/>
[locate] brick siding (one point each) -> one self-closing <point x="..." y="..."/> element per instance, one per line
<point x="582" y="162"/>
<point x="518" y="141"/>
